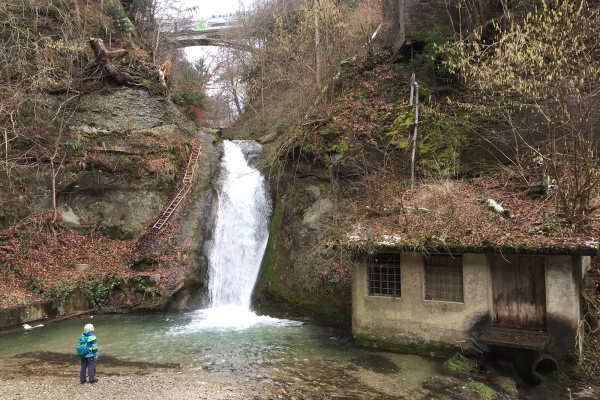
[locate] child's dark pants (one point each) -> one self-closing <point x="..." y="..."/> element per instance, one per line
<point x="90" y="364"/>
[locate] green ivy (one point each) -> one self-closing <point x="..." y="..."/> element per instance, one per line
<point x="341" y="147"/>
<point x="61" y="292"/>
<point x="96" y="291"/>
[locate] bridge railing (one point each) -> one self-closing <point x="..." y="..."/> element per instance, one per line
<point x="224" y="21"/>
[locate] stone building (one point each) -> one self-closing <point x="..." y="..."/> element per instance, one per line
<point x="434" y="303"/>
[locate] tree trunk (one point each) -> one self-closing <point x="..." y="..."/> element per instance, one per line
<point x="317" y="40"/>
<point x="101" y="16"/>
<point x="75" y="17"/>
<point x="236" y="100"/>
<point x="54" y="171"/>
<point x="107" y="58"/>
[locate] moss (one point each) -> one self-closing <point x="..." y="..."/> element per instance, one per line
<point x="460" y="364"/>
<point x="269" y="268"/>
<point x="397" y="135"/>
<point x="422" y="348"/>
<point x="481" y="391"/>
<point x="341" y="147"/>
<point x="275" y="292"/>
<point x="507" y="384"/>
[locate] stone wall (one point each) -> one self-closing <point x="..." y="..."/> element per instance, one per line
<point x="39" y="313"/>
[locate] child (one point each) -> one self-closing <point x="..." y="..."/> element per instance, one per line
<point x="89" y="362"/>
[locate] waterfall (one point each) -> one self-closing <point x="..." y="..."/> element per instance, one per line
<point x="241" y="227"/>
<point x="238" y="243"/>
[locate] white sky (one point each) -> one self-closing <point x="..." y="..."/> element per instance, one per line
<point x="206" y="8"/>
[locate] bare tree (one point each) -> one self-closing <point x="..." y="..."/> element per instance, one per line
<point x="300" y="48"/>
<point x="542" y="77"/>
<point x="28" y="98"/>
<point x="233" y="68"/>
<point x="156" y="19"/>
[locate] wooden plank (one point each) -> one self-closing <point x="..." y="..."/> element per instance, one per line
<point x="515" y="338"/>
<point x="532" y="293"/>
<point x="519" y="294"/>
<point x="504" y="290"/>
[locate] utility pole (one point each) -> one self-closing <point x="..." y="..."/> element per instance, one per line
<point x="317" y="43"/>
<point x="414" y="94"/>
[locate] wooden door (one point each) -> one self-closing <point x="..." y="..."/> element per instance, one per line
<point x="519" y="290"/>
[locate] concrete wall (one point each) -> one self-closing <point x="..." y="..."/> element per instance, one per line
<point x="414" y="324"/>
<point x="564" y="280"/>
<point x="403" y="17"/>
<point x="411" y="320"/>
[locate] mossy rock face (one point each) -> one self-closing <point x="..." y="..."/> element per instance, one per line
<point x="507" y="384"/>
<point x="481" y="391"/>
<point x="460" y="364"/>
<point x="276" y="294"/>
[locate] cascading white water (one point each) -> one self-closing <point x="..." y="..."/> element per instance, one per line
<point x="241" y="229"/>
<point x="238" y="244"/>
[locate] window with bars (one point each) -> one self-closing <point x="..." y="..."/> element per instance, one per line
<point x="444" y="278"/>
<point x="383" y="275"/>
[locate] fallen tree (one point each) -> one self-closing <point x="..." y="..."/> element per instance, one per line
<point x="108" y="59"/>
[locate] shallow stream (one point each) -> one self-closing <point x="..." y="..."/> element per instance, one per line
<point x="303" y="358"/>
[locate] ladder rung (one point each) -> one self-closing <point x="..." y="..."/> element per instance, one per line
<point x="187" y="177"/>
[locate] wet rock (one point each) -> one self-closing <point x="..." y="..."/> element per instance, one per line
<point x="314" y="191"/>
<point x="479" y="391"/>
<point x="460" y="364"/>
<point x="377" y="363"/>
<point x="439" y="382"/>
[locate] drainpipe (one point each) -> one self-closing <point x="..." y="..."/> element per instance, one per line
<point x="533" y="366"/>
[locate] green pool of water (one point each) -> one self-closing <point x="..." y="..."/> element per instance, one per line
<point x="311" y="358"/>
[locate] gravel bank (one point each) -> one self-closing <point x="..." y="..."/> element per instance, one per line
<point x="152" y="386"/>
<point x="41" y="376"/>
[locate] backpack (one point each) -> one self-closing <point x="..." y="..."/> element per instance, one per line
<point x="82" y="346"/>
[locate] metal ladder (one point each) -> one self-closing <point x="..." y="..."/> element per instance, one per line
<point x="187" y="180"/>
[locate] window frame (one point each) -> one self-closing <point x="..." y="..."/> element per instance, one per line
<point x="447" y="278"/>
<point x="392" y="285"/>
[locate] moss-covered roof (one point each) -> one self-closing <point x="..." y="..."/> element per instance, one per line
<point x="457" y="217"/>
